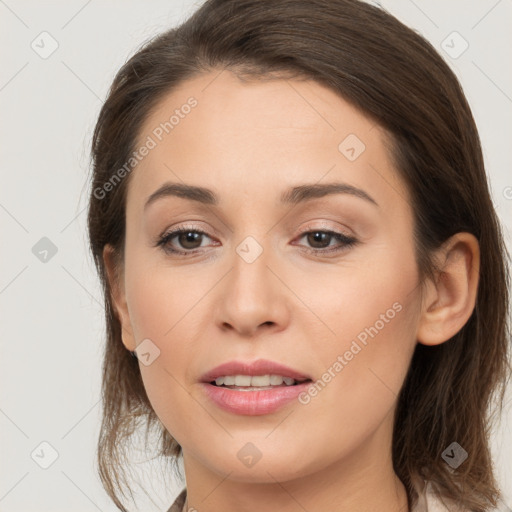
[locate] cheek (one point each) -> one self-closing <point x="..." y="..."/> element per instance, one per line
<point x="161" y="300"/>
<point x="161" y="316"/>
<point x="372" y="315"/>
<point x="364" y="369"/>
<point x="371" y="296"/>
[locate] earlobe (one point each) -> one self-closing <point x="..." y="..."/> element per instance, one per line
<point x="449" y="301"/>
<point x="117" y="293"/>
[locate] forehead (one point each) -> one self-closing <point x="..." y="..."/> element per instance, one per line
<point x="215" y="129"/>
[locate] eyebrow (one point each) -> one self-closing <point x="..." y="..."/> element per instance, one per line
<point x="294" y="195"/>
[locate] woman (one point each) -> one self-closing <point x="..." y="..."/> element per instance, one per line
<point x="292" y="223"/>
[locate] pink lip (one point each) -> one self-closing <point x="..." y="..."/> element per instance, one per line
<point x="258" y="367"/>
<point x="253" y="403"/>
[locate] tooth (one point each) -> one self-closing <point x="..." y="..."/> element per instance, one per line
<point x="260" y="380"/>
<point x="276" y="380"/>
<point x="254" y="381"/>
<point x="243" y="380"/>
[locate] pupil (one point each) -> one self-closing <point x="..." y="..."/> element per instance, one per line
<point x="189" y="237"/>
<point x="317" y="237"/>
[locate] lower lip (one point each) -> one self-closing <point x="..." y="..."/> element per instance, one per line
<point x="253" y="403"/>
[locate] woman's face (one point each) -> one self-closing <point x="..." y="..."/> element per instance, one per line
<point x="267" y="280"/>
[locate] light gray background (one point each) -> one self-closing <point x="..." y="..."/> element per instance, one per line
<point x="51" y="328"/>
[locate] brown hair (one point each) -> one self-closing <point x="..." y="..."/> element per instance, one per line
<point x="394" y="76"/>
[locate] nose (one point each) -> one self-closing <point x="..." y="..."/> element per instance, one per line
<point x="252" y="298"/>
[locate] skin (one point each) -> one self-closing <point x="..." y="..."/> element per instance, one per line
<point x="248" y="142"/>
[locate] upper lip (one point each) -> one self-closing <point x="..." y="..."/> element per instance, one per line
<point x="258" y="367"/>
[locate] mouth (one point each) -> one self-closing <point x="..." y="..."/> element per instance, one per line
<point x="252" y="400"/>
<point x="253" y="388"/>
<point x="256" y="382"/>
<point x="261" y="372"/>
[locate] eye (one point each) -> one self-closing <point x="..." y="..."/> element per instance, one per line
<point x="189" y="238"/>
<point x="321" y="240"/>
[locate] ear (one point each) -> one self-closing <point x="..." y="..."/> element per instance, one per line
<point x="115" y="275"/>
<point x="449" y="301"/>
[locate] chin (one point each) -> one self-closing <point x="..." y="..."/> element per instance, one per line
<point x="267" y="469"/>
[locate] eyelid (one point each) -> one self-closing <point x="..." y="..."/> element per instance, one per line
<point x="174" y="231"/>
<point x="323" y="225"/>
<point x="187" y="226"/>
<point x="344" y="241"/>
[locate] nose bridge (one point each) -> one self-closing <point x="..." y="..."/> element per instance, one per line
<point x="252" y="242"/>
<point x="252" y="295"/>
<point x="250" y="275"/>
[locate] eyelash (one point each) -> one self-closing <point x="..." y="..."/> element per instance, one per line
<point x="346" y="241"/>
